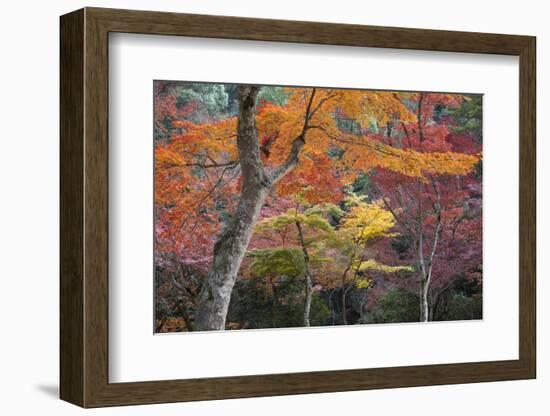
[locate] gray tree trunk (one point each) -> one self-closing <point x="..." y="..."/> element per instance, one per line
<point x="424" y="284"/>
<point x="232" y="243"/>
<point x="424" y="311"/>
<point x="426" y="272"/>
<point x="308" y="283"/>
<point x="230" y="248"/>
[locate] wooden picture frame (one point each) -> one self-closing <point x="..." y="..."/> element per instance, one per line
<point x="84" y="207"/>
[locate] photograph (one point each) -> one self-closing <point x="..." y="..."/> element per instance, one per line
<point x="301" y="206"/>
<point x="250" y="208"/>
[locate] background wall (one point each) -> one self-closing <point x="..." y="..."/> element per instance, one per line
<point x="29" y="209"/>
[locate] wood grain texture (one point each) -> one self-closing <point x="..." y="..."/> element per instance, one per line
<point x="72" y="368"/>
<point x="225" y="27"/>
<point x="96" y="209"/>
<point x="84" y="207"/>
<point x="527" y="207"/>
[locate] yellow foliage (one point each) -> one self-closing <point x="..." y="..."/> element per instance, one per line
<point x="372" y="264"/>
<point x="364" y="153"/>
<point x="360" y="152"/>
<point x="366" y="221"/>
<point x="383" y="106"/>
<point x="362" y="282"/>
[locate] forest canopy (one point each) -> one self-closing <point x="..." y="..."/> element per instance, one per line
<point x="305" y="206"/>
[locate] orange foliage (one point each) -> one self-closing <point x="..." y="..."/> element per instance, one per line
<point x="197" y="169"/>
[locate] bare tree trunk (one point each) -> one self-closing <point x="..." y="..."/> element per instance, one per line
<point x="424" y="310"/>
<point x="229" y="251"/>
<point x="309" y="284"/>
<point x="429" y="313"/>
<point x="344" y="293"/>
<point x="423" y="280"/>
<point x="233" y="241"/>
<point x="309" y="298"/>
<point x="419" y="117"/>
<point x="426" y="272"/>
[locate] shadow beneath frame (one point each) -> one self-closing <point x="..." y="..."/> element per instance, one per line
<point x="51" y="390"/>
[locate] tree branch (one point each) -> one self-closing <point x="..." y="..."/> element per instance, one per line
<point x="437" y="207"/>
<point x="419" y="117"/>
<point x="210" y="165"/>
<point x="297" y="144"/>
<point x="397" y="217"/>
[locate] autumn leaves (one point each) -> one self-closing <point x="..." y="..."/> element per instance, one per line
<point x="305" y="185"/>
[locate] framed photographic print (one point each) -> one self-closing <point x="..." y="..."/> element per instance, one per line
<point x="256" y="207"/>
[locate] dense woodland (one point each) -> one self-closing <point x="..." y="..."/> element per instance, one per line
<point x="291" y="207"/>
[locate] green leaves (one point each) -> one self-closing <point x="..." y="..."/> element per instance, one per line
<point x="310" y="219"/>
<point x="212" y="97"/>
<point x="282" y="261"/>
<point x="468" y="116"/>
<point x="325" y="209"/>
<point x="275" y="95"/>
<point x="277" y="261"/>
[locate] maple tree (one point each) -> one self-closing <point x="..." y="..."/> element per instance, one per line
<point x="432" y="208"/>
<point x="229" y="161"/>
<point x="291" y="229"/>
<point x="362" y="223"/>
